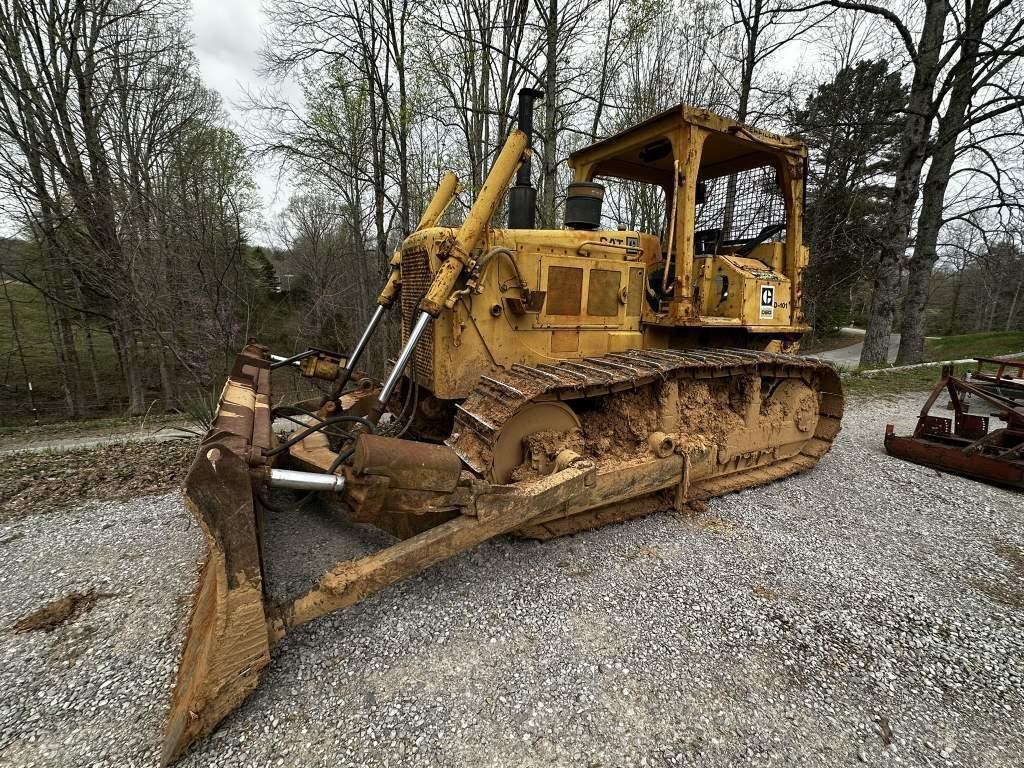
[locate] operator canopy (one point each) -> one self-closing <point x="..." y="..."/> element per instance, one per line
<point x="645" y="151"/>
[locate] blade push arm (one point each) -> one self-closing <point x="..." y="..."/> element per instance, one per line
<point x="439" y="203"/>
<point x="456" y="252"/>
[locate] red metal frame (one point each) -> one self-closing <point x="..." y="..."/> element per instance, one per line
<point x="1001" y="379"/>
<point x="964" y="444"/>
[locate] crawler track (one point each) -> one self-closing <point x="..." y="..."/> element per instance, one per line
<point x="496" y="399"/>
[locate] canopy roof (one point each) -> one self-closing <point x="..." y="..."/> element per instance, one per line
<point x="644" y="152"/>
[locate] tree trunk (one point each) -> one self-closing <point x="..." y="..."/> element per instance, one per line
<point x="68" y="381"/>
<point x="929" y="223"/>
<point x="133" y="384"/>
<point x="742" y="109"/>
<point x="1013" y="305"/>
<point x="955" y="303"/>
<point x="550" y="169"/>
<point x="602" y="85"/>
<point x="913" y="152"/>
<point x="396" y="33"/>
<point x="18" y="348"/>
<point x="90" y="347"/>
<point x="993" y="303"/>
<point x="166" y="381"/>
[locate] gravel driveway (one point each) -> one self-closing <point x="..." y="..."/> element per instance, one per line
<point x="868" y="612"/>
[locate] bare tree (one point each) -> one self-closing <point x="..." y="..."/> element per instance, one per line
<point x="96" y="101"/>
<point x="924" y="51"/>
<point x="981" y="86"/>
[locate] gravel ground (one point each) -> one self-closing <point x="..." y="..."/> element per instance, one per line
<point x="93" y="691"/>
<point x="868" y="612"/>
<point x="50" y="442"/>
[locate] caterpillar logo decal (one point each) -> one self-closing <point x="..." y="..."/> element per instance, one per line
<point x="767" y="302"/>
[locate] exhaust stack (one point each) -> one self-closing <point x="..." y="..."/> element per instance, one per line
<point x="522" y="198"/>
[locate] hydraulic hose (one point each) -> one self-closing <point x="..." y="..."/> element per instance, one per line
<point x="316" y="428"/>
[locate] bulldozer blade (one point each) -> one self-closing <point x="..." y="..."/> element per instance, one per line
<point x="227" y="642"/>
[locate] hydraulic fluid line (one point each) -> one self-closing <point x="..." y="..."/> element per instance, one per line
<point x="485" y="260"/>
<point x="316" y="428"/>
<point x="340" y="459"/>
<point x="276" y="361"/>
<point x="412" y="414"/>
<point x="295" y="409"/>
<point x="333" y="432"/>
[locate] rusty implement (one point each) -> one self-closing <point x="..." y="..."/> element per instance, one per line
<point x="967" y="444"/>
<point x="1001" y="375"/>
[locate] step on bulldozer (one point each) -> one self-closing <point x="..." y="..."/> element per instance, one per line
<point x="549" y="381"/>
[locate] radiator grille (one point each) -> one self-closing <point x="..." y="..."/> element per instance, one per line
<point x="416" y="279"/>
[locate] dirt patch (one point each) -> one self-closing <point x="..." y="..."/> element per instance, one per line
<point x="35" y="482"/>
<point x="764" y="593"/>
<point x="1012" y="555"/>
<point x="541" y="449"/>
<point x="806" y="416"/>
<point x="710" y="411"/>
<point x="1009" y="591"/>
<point x="619" y="425"/>
<point x="648" y="552"/>
<point x="775" y="404"/>
<point x="712" y="524"/>
<point x="791" y="400"/>
<point x="59" y="611"/>
<point x="694" y="507"/>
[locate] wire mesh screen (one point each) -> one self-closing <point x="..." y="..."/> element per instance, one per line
<point x="754" y="199"/>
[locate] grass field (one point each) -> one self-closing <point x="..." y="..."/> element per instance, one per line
<point x="110" y="404"/>
<point x="923" y="377"/>
<point x="962" y="347"/>
<point x="897" y="381"/>
<point x="33" y="329"/>
<point x="983" y="344"/>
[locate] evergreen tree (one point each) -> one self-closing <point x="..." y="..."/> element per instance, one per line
<point x="852" y="128"/>
<point x="264" y="269"/>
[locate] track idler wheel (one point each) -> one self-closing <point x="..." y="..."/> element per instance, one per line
<point x="508" y="452"/>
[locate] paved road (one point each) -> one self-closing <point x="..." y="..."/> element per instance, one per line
<point x="850" y="355"/>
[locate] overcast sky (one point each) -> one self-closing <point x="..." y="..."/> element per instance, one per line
<point x="228" y="36"/>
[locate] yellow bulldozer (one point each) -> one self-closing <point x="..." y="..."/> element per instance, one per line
<point x="549" y="381"/>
